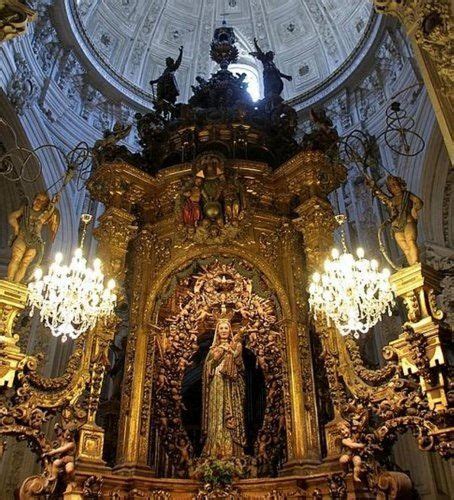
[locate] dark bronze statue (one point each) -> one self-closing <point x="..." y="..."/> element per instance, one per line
<point x="324" y="136"/>
<point x="272" y="77"/>
<point x="167" y="88"/>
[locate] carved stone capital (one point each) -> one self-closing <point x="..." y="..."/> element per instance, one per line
<point x="317" y="223"/>
<point x="418" y="286"/>
<point x="120" y="185"/>
<point x="308" y="174"/>
<point x="115" y="230"/>
<point x="14" y="19"/>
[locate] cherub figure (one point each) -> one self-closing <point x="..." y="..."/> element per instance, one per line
<point x="28" y="245"/>
<point x="404" y="208"/>
<point x="167" y="88"/>
<point x="352" y="453"/>
<point x="111" y="137"/>
<point x="183" y="446"/>
<point x="272" y="77"/>
<point x="64" y="453"/>
<point x="192" y="211"/>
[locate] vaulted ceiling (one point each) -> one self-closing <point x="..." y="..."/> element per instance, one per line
<point x="312" y="38"/>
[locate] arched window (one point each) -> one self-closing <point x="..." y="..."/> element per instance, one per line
<point x="252" y="79"/>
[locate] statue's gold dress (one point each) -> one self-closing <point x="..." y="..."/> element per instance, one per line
<point x="223" y="400"/>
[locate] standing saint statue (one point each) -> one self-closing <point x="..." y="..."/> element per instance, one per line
<point x="272" y="77"/>
<point x="223" y="395"/>
<point x="28" y="244"/>
<point x="404" y="208"/>
<point x="167" y="88"/>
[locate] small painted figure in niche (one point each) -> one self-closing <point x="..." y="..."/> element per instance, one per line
<point x="224" y="395"/>
<point x="234" y="199"/>
<point x="192" y="213"/>
<point x="28" y="245"/>
<point x="167" y="88"/>
<point x="272" y="77"/>
<point x="404" y="208"/>
<point x="117" y="370"/>
<point x="64" y="452"/>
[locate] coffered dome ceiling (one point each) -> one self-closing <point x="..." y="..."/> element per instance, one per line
<point x="129" y="39"/>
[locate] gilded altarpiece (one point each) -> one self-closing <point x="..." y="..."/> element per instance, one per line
<point x="211" y="233"/>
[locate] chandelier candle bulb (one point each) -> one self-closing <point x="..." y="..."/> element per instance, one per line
<point x="71" y="298"/>
<point x="352" y="293"/>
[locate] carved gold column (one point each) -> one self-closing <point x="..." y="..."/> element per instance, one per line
<point x="133" y="439"/>
<point x="317" y="223"/>
<point x="115" y="230"/>
<point x="14" y="19"/>
<point x="430" y="28"/>
<point x="304" y="447"/>
<point x="13" y="299"/>
<point x="422" y="347"/>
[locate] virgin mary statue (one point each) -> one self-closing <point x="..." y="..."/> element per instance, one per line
<point x="223" y="395"/>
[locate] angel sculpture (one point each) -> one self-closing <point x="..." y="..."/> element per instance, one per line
<point x="167" y="88"/>
<point x="272" y="77"/>
<point x="404" y="208"/>
<point x="324" y="136"/>
<point x="351" y="452"/>
<point x="28" y="245"/>
<point x="110" y="139"/>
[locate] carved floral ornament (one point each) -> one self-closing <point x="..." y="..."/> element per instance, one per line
<point x="431" y="23"/>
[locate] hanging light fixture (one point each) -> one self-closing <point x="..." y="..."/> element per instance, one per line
<point x="72" y="298"/>
<point x="352" y="292"/>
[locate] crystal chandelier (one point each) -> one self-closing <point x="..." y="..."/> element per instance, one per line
<point x="72" y="298"/>
<point x="351" y="292"/>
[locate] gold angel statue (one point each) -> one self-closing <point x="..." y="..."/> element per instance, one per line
<point x="403" y="207"/>
<point x="28" y="245"/>
<point x="224" y="394"/>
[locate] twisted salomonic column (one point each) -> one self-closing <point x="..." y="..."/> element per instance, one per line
<point x="430" y="28"/>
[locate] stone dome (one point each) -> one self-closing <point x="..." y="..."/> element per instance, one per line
<point x="128" y="40"/>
